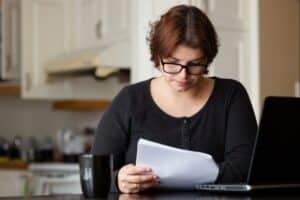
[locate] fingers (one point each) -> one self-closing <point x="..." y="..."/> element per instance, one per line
<point x="132" y="179"/>
<point x="133" y="170"/>
<point x="140" y="178"/>
<point x="130" y="188"/>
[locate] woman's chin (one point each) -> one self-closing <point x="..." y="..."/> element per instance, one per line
<point x="180" y="88"/>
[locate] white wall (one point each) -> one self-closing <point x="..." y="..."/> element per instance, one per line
<point x="37" y="118"/>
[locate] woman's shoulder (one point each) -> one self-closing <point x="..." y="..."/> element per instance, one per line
<point x="130" y="97"/>
<point x="133" y="91"/>
<point x="229" y="89"/>
<point x="227" y="84"/>
<point x="137" y="87"/>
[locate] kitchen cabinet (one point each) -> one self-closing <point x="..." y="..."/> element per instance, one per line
<point x="14" y="182"/>
<point x="101" y="22"/>
<point x="10" y="40"/>
<point x="57" y="27"/>
<point x="45" y="33"/>
<point x="104" y="23"/>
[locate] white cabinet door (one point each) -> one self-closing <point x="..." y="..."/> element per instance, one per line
<point x="232" y="60"/>
<point x="99" y="22"/>
<point x="10" y="54"/>
<point x="160" y="7"/>
<point x="231" y="19"/>
<point x="116" y="19"/>
<point x="104" y="24"/>
<point x="88" y="23"/>
<point x="229" y="14"/>
<point x="46" y="33"/>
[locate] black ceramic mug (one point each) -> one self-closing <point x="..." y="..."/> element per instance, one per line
<point x="95" y="175"/>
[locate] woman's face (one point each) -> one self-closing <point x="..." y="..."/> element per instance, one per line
<point x="184" y="55"/>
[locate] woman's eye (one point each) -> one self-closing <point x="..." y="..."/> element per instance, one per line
<point x="195" y="64"/>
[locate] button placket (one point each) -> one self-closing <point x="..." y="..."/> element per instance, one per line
<point x="185" y="134"/>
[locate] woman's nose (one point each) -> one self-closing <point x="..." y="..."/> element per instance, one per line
<point x="183" y="73"/>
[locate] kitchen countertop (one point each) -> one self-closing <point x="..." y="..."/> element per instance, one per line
<point x="174" y="195"/>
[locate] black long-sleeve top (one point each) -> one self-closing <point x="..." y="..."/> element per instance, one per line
<point x="225" y="127"/>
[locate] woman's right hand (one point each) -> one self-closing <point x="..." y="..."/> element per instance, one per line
<point x="134" y="179"/>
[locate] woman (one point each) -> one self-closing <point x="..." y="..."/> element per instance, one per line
<point x="181" y="108"/>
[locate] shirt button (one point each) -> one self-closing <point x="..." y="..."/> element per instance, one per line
<point x="185" y="121"/>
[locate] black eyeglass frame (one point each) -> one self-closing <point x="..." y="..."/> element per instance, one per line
<point x="205" y="66"/>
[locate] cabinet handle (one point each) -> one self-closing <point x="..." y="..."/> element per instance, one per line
<point x="8" y="63"/>
<point x="98" y="29"/>
<point x="28" y="81"/>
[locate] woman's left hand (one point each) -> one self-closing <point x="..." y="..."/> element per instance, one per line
<point x="134" y="179"/>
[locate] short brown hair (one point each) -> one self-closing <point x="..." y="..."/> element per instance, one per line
<point x="182" y="25"/>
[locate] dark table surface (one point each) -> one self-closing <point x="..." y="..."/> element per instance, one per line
<point x="287" y="195"/>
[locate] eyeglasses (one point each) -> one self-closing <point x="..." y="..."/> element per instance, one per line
<point x="192" y="68"/>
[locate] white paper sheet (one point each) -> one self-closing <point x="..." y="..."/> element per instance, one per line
<point x="176" y="168"/>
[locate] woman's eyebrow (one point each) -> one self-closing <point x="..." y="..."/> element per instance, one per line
<point x="197" y="59"/>
<point x="176" y="59"/>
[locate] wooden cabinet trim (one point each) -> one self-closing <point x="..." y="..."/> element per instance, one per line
<point x="81" y="105"/>
<point x="10" y="90"/>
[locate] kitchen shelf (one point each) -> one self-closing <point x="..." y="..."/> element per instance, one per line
<point x="81" y="105"/>
<point x="13" y="165"/>
<point x="10" y="90"/>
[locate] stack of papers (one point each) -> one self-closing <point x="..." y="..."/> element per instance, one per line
<point x="176" y="168"/>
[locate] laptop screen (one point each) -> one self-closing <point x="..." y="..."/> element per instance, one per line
<point x="275" y="158"/>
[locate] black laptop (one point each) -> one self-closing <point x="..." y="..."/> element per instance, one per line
<point x="275" y="161"/>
